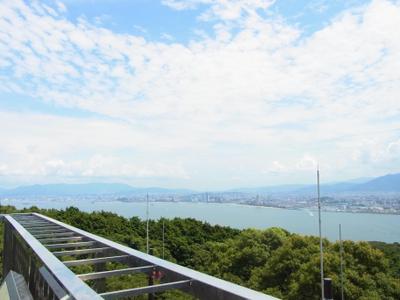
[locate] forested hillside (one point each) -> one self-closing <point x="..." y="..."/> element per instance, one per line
<point x="273" y="261"/>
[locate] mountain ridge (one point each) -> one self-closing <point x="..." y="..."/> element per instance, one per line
<point x="386" y="183"/>
<point x="74" y="189"/>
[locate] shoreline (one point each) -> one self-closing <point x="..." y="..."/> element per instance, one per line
<point x="375" y="227"/>
<point x="313" y="210"/>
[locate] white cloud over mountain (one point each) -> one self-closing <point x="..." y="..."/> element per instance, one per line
<point x="254" y="95"/>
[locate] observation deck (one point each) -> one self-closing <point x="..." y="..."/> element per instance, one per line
<point x="46" y="253"/>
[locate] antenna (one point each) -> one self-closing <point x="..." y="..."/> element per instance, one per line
<point x="163" y="239"/>
<point x="147" y="223"/>
<point x="321" y="250"/>
<point x="341" y="261"/>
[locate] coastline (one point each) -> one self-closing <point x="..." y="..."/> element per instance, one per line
<point x="359" y="226"/>
<point x="266" y="206"/>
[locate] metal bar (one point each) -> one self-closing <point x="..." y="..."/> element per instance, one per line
<point x="104" y="274"/>
<point x="69" y="245"/>
<point x="49" y="231"/>
<point x="26" y="219"/>
<point x="53" y="284"/>
<point x="74" y="286"/>
<point x="27" y="223"/>
<point x="32" y="221"/>
<point x="49" y="224"/>
<point x="61" y="239"/>
<point x="80" y="251"/>
<point x="204" y="286"/>
<point x="341" y="263"/>
<point x="321" y="247"/>
<point x="146" y="290"/>
<point x="29" y="228"/>
<point x="93" y="261"/>
<point x="55" y="234"/>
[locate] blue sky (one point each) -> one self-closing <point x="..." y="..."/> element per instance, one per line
<point x="153" y="19"/>
<point x="203" y="94"/>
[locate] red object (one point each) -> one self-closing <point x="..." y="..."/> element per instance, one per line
<point x="157" y="275"/>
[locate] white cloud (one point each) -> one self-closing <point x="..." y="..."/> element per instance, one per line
<point x="257" y="84"/>
<point x="307" y="163"/>
<point x="276" y="168"/>
<point x="221" y="9"/>
<point x="47" y="146"/>
<point x="61" y="7"/>
<point x="394" y="148"/>
<point x="378" y="152"/>
<point x="167" y="37"/>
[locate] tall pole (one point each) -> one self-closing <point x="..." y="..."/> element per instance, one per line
<point x="321" y="250"/>
<point x="341" y="261"/>
<point x="147" y="224"/>
<point x="163" y="239"/>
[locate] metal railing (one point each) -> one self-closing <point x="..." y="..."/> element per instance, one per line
<point x="36" y="247"/>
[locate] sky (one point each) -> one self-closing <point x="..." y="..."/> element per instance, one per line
<point x="201" y="94"/>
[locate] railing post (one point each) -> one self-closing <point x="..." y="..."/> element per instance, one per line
<point x="100" y="284"/>
<point x="328" y="293"/>
<point x="8" y="251"/>
<point x="151" y="282"/>
<point x="151" y="296"/>
<point x="6" y="245"/>
<point x="31" y="283"/>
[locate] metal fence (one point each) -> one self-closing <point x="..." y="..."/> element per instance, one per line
<point x="37" y="246"/>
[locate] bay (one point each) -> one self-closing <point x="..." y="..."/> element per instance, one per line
<point x="355" y="226"/>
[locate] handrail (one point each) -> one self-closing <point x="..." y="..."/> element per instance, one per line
<point x="204" y="280"/>
<point x="76" y="288"/>
<point x="200" y="285"/>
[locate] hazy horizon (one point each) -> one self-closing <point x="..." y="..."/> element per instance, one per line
<point x="353" y="180"/>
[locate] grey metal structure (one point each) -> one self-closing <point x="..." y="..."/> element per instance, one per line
<point x="14" y="287"/>
<point x="40" y="249"/>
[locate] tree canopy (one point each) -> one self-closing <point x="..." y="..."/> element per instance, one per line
<point x="273" y="260"/>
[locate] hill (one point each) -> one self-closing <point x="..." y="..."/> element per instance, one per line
<point x="387" y="183"/>
<point x="84" y="189"/>
<point x="383" y="184"/>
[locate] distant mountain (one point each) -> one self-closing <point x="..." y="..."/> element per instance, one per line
<point x="273" y="189"/>
<point x="387" y="183"/>
<point x="360" y="180"/>
<point x="160" y="191"/>
<point x="68" y="189"/>
<point x="330" y="188"/>
<point x="84" y="189"/>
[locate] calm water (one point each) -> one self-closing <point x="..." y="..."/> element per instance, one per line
<point x="371" y="227"/>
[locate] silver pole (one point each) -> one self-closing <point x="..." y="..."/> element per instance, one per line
<point x="163" y="239"/>
<point x="341" y="261"/>
<point x="321" y="250"/>
<point x="147" y="224"/>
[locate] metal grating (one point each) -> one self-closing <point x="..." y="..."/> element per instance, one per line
<point x="44" y="250"/>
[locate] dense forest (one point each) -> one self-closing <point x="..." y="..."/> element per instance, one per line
<point x="273" y="261"/>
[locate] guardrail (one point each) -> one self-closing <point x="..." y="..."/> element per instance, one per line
<point x="35" y="246"/>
